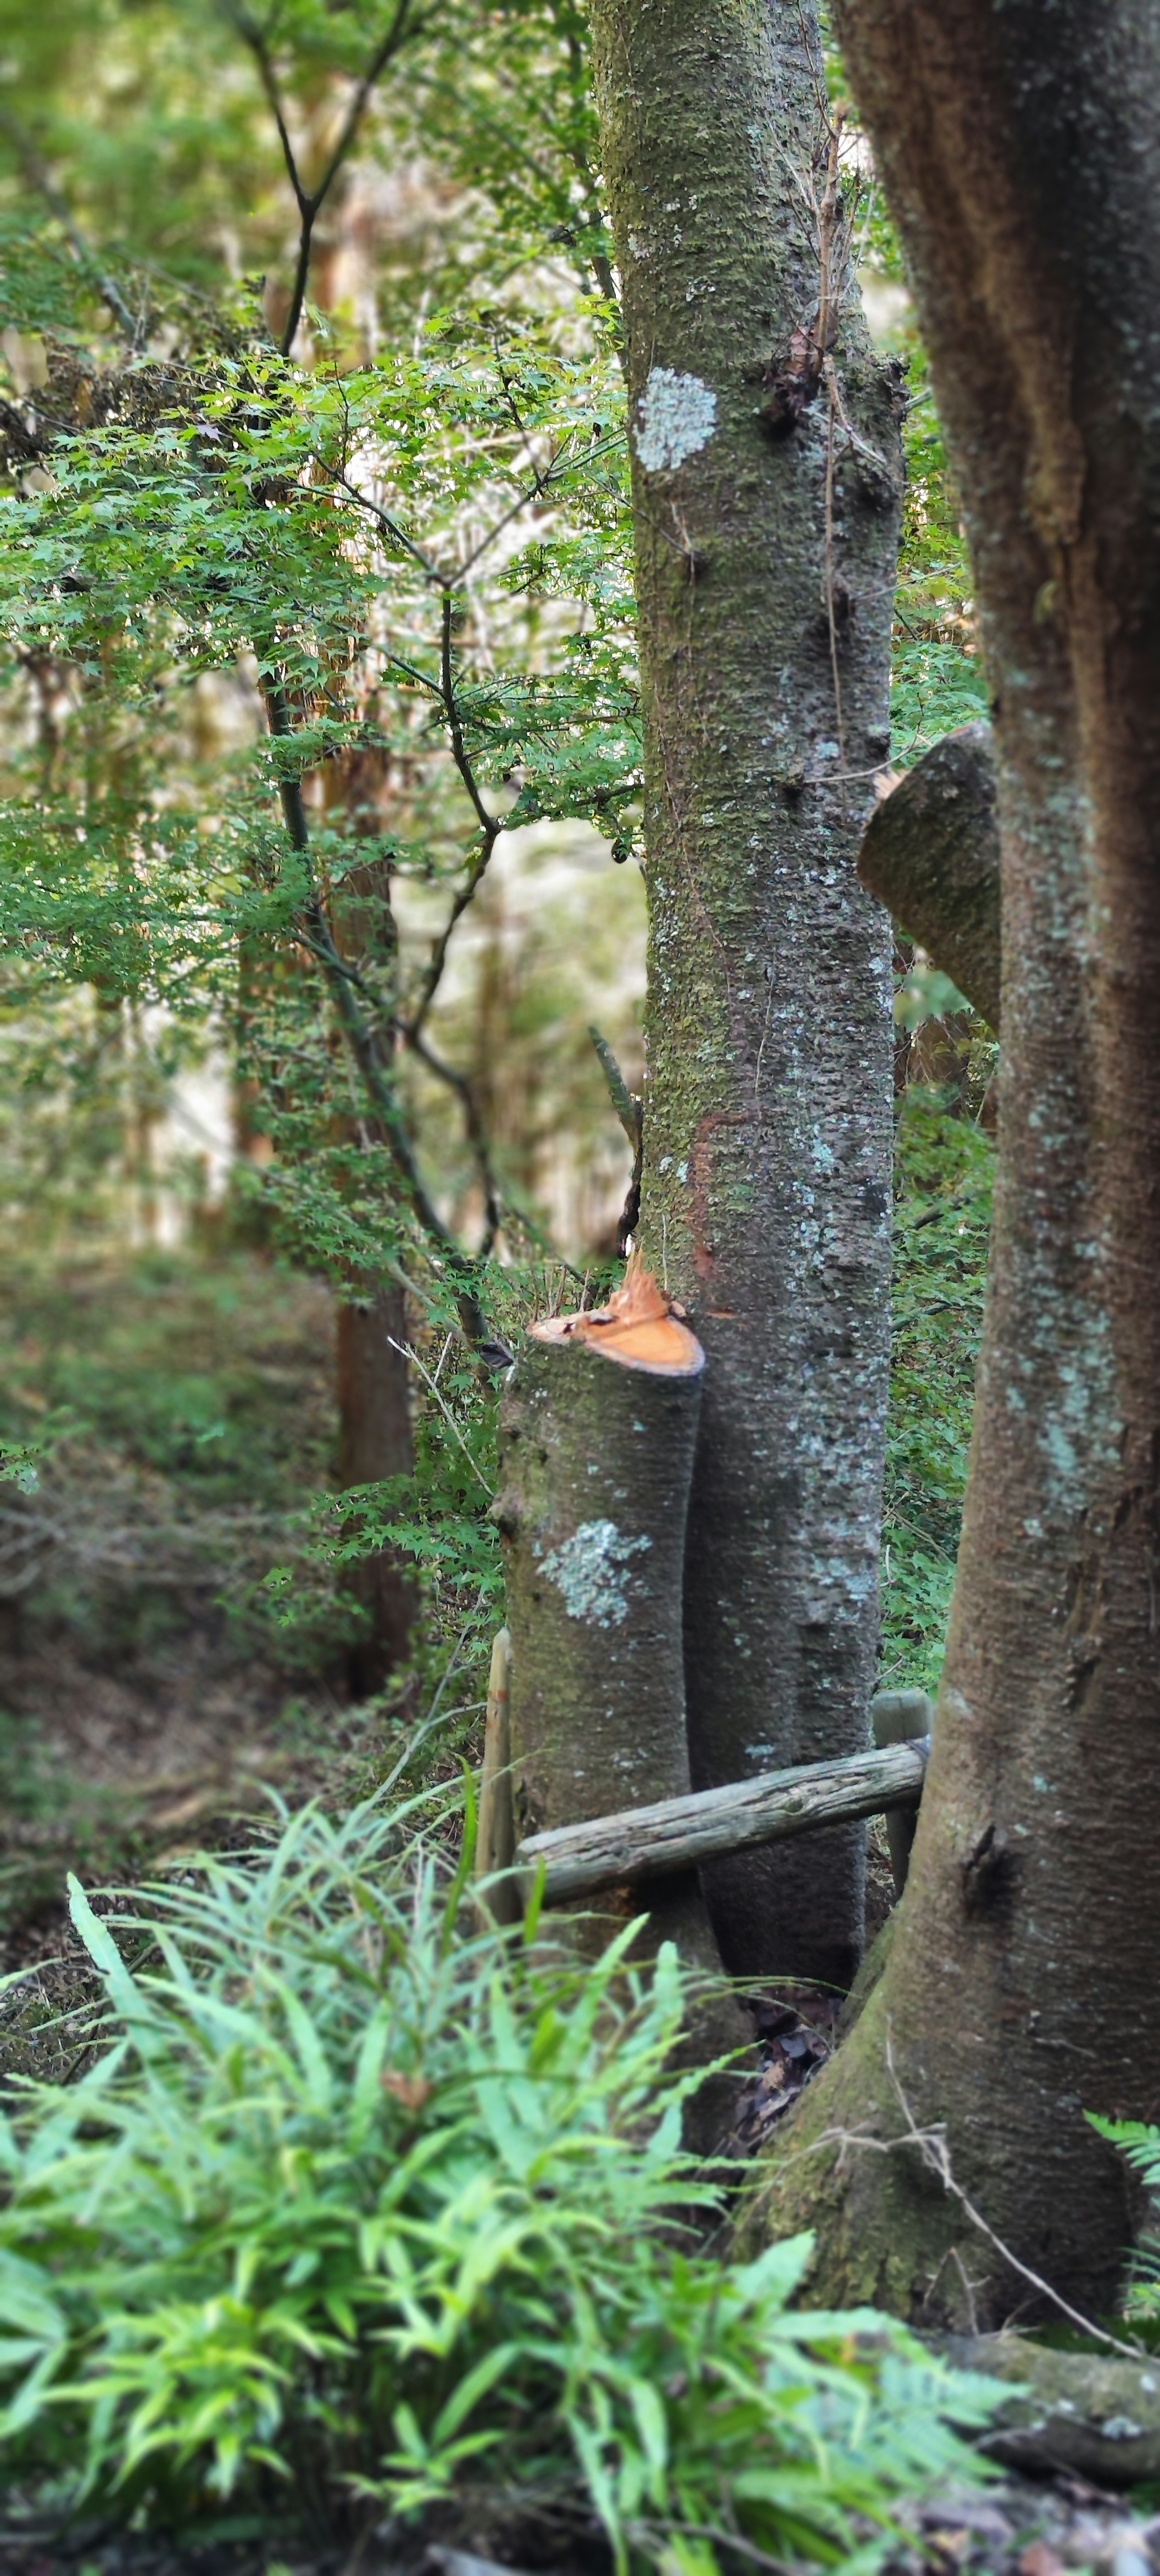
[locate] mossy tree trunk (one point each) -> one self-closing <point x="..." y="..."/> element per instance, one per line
<point x="767" y="483"/>
<point x="1021" y="151"/>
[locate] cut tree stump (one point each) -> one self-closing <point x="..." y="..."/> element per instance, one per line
<point x="680" y="1833"/>
<point x="931" y="854"/>
<point x="597" y="1429"/>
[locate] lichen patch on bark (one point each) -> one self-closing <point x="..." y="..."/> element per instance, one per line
<point x="676" y="417"/>
<point x="589" y="1571"/>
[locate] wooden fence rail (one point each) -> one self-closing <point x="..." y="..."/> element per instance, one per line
<point x="677" y="1833"/>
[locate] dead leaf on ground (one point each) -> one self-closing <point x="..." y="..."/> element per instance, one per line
<point x="411" y="2090"/>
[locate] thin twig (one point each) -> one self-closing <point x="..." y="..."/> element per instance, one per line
<point x="935" y="2153"/>
<point x="407" y="1353"/>
<point x="464" y="1088"/>
<point x="491" y="825"/>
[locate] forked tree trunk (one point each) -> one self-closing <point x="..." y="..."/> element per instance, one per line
<point x="766" y="484"/>
<point x="1021" y="151"/>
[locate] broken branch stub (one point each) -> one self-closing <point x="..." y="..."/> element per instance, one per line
<point x="597" y="1431"/>
<point x="931" y="854"/>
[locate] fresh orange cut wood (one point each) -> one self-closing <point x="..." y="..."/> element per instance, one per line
<point x="640" y="1327"/>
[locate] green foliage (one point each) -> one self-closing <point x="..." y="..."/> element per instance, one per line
<point x="942" y="1225"/>
<point x="937" y="678"/>
<point x="162" y="1422"/>
<point x="358" y="2201"/>
<point x="1139" y="2140"/>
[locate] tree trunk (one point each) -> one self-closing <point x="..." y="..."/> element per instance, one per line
<point x="374" y="1404"/>
<point x="767" y="483"/>
<point x="1020" y="150"/>
<point x="596" y="1456"/>
<point x="931" y="852"/>
<point x="597" y="1430"/>
<point x="375" y="1442"/>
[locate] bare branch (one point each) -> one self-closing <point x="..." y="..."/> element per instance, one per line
<point x="629" y="1109"/>
<point x="310" y="201"/>
<point x="464" y="1089"/>
<point x="491" y="825"/>
<point x="360" y="1032"/>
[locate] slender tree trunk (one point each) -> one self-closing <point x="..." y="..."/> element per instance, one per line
<point x="375" y="1441"/>
<point x="374" y="1403"/>
<point x="767" y="481"/>
<point x="1021" y="151"/>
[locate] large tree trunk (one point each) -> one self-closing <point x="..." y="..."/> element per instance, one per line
<point x="767" y="481"/>
<point x="1021" y="152"/>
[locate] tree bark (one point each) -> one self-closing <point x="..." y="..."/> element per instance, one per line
<point x="1021" y="153"/>
<point x="766" y="482"/>
<point x="931" y="852"/>
<point x="375" y="1441"/>
<point x="597" y="1429"/>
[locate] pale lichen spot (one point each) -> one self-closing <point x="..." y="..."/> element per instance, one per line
<point x="676" y="416"/>
<point x="590" y="1571"/>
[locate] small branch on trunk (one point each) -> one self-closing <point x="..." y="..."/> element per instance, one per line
<point x="931" y="854"/>
<point x="630" y="1111"/>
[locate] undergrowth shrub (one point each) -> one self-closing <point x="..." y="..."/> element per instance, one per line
<point x="363" y="2210"/>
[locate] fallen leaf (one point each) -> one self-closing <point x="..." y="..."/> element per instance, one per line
<point x="1041" y="2560"/>
<point x="413" y="2091"/>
